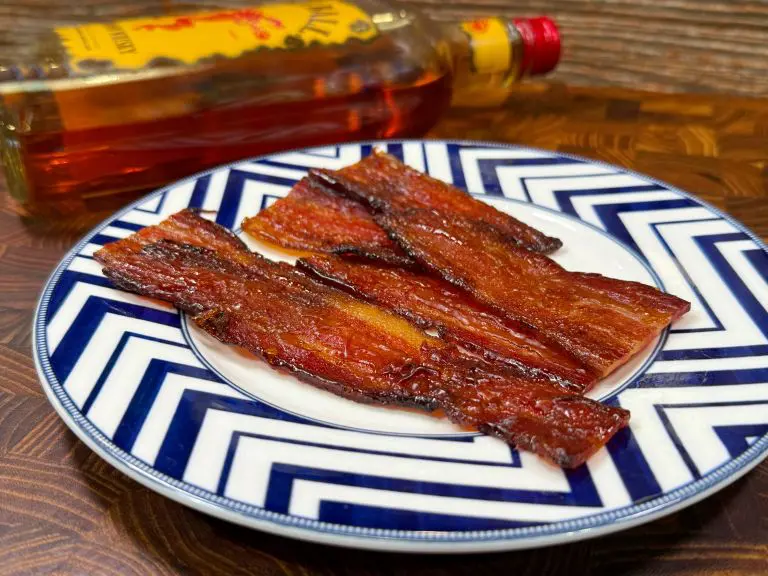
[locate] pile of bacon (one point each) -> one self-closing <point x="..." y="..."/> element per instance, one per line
<point x="394" y="253"/>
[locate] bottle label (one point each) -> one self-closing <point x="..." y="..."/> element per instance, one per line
<point x="188" y="39"/>
<point x="490" y="45"/>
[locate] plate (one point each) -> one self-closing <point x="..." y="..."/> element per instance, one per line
<point x="216" y="430"/>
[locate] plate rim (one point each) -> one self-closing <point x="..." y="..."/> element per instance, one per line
<point x="371" y="538"/>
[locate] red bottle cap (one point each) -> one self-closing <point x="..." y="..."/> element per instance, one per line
<point x="541" y="44"/>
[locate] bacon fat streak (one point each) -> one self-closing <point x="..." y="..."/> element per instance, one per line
<point x="431" y="302"/>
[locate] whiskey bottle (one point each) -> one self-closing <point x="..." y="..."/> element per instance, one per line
<point x="109" y="108"/>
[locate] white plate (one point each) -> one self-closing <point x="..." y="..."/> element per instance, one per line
<point x="215" y="429"/>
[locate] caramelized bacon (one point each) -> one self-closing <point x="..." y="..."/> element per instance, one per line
<point x="384" y="184"/>
<point x="313" y="218"/>
<point x="334" y="341"/>
<point x="601" y="321"/>
<point x="431" y="302"/>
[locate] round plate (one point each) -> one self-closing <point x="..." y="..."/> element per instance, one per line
<point x="215" y="429"/>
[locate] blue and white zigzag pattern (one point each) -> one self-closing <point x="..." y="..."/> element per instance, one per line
<point x="123" y="362"/>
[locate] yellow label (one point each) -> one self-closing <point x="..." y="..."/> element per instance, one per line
<point x="187" y="39"/>
<point x="491" y="50"/>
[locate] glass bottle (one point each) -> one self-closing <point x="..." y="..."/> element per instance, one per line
<point x="115" y="107"/>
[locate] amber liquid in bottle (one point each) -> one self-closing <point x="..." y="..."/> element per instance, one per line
<point x="142" y="154"/>
<point x="69" y="140"/>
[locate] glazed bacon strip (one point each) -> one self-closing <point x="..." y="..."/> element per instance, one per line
<point x="332" y="340"/>
<point x="601" y="321"/>
<point x="433" y="303"/>
<point x="385" y="184"/>
<point x="313" y="218"/>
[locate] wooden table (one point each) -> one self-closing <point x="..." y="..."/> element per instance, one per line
<point x="65" y="511"/>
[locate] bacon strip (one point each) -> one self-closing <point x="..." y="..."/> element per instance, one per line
<point x="384" y="184"/>
<point x="430" y="302"/>
<point x="601" y="321"/>
<point x="345" y="345"/>
<point x="313" y="218"/>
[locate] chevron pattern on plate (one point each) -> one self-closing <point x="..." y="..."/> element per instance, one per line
<point x="123" y="372"/>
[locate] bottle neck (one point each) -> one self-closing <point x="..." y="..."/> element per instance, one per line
<point x="491" y="54"/>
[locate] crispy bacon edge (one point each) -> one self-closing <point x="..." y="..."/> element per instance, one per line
<point x="384" y="184"/>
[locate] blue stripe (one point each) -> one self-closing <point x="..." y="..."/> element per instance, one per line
<point x="582" y="488"/>
<point x="490" y="178"/>
<point x="720" y="404"/>
<point x="709" y="353"/>
<point x="67" y="281"/>
<point x="396" y="150"/>
<point x="686" y="276"/>
<point x="395" y="519"/>
<point x="609" y="215"/>
<point x="160" y="204"/>
<point x="457" y="170"/>
<point x="636" y="474"/>
<point x="278" y="164"/>
<point x="283" y="475"/>
<point x="227" y="466"/>
<point x="101" y="239"/>
<point x="230" y="200"/>
<point x="121" y="344"/>
<point x="232" y="449"/>
<point x="565" y="197"/>
<point x="267" y="178"/>
<point x="199" y="192"/>
<point x="734" y="437"/>
<point x="703" y="378"/>
<point x="233" y="194"/>
<point x="265" y="201"/>
<point x="159" y="208"/>
<point x="126" y="225"/>
<point x="672" y="433"/>
<point x="366" y="150"/>
<point x="183" y="430"/>
<point x="88" y="320"/>
<point x="759" y="260"/>
<point x="732" y="279"/>
<point x="142" y="401"/>
<point x="515" y="463"/>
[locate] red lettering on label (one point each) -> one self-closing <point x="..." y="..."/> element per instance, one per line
<point x="480" y="25"/>
<point x="254" y="19"/>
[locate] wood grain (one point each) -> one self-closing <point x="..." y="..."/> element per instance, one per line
<point x="65" y="511"/>
<point x="666" y="45"/>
